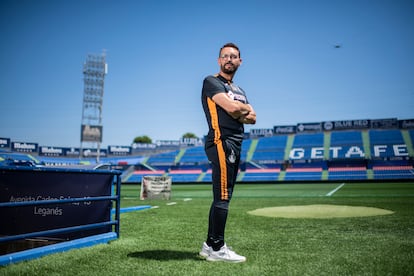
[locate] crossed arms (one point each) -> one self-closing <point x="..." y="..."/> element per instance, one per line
<point x="244" y="113"/>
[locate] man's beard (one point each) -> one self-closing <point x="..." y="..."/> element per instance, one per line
<point x="229" y="69"/>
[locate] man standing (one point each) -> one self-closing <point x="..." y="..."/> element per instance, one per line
<point x="227" y="110"/>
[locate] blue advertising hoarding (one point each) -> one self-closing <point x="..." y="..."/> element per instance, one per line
<point x="44" y="185"/>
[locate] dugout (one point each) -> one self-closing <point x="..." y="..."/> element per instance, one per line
<point x="40" y="207"/>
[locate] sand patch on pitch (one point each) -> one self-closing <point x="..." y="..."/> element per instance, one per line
<point x="320" y="211"/>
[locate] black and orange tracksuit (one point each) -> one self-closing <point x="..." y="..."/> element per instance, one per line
<point x="223" y="148"/>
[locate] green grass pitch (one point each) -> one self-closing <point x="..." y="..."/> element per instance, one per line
<point x="166" y="240"/>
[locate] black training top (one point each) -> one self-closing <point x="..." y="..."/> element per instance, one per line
<point x="221" y="125"/>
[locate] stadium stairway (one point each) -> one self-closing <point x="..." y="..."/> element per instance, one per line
<point x="240" y="176"/>
<point x="250" y="153"/>
<point x="251" y="150"/>
<point x="144" y="163"/>
<point x="289" y="144"/>
<point x="366" y="143"/>
<point x="326" y="145"/>
<point x="325" y="175"/>
<point x="407" y="139"/>
<point x="370" y="174"/>
<point x="131" y="170"/>
<point x="288" y="148"/>
<point x="281" y="176"/>
<point x="180" y="155"/>
<point x="127" y="173"/>
<point x="201" y="177"/>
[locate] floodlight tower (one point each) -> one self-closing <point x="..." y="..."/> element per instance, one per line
<point x="94" y="70"/>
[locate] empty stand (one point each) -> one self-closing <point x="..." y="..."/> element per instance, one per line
<point x="368" y="154"/>
<point x="347" y="173"/>
<point x="245" y="148"/>
<point x="342" y="141"/>
<point x="137" y="176"/>
<point x="162" y="159"/>
<point x="185" y="175"/>
<point x="303" y="174"/>
<point x="270" y="149"/>
<point x="393" y="172"/>
<point x="387" y="143"/>
<point x="255" y="175"/>
<point x="306" y="142"/>
<point x="194" y="156"/>
<point x="341" y="138"/>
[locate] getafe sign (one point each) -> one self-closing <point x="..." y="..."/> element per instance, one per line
<point x="377" y="151"/>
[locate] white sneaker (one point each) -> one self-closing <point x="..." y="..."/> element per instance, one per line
<point x="225" y="255"/>
<point x="205" y="250"/>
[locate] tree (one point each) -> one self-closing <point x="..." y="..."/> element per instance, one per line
<point x="189" y="135"/>
<point x="143" y="139"/>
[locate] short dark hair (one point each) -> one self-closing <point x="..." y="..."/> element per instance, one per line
<point x="232" y="45"/>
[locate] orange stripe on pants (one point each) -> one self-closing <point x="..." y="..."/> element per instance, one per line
<point x="220" y="150"/>
<point x="223" y="170"/>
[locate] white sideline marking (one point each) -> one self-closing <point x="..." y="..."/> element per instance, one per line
<point x="171" y="203"/>
<point x="187" y="199"/>
<point x="335" y="190"/>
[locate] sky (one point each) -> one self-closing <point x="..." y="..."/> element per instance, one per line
<point x="158" y="53"/>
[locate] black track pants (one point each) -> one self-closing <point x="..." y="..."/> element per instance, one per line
<point x="225" y="158"/>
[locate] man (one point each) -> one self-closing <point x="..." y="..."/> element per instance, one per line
<point x="227" y="110"/>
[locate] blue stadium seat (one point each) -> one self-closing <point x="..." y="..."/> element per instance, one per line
<point x="270" y="148"/>
<point x="383" y="143"/>
<point x="166" y="158"/>
<point x="185" y="175"/>
<point x="393" y="172"/>
<point x="385" y="136"/>
<point x="350" y="174"/>
<point x="301" y="176"/>
<point x="195" y="155"/>
<point x="341" y="138"/>
<point x="308" y="140"/>
<point x="258" y="175"/>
